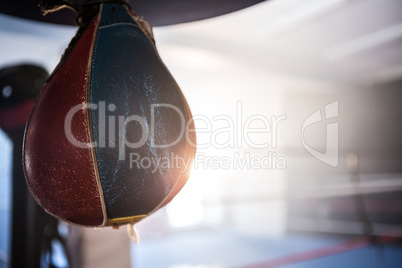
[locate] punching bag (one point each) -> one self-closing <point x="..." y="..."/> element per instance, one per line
<point x="110" y="139"/>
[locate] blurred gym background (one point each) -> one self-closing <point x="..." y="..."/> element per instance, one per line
<point x="277" y="58"/>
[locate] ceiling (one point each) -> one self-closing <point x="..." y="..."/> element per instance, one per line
<point x="351" y="42"/>
<point x="343" y="41"/>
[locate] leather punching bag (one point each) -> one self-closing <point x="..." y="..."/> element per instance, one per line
<point x="110" y="139"/>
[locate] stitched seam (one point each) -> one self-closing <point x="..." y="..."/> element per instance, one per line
<point x="120" y="23"/>
<point x="89" y="124"/>
<point x="106" y="23"/>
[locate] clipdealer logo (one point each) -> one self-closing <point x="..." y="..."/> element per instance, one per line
<point x="330" y="156"/>
<point x="219" y="132"/>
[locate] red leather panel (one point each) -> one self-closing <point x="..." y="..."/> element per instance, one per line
<point x="60" y="175"/>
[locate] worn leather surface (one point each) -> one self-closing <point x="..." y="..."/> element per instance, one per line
<point x="123" y="71"/>
<point x="189" y="153"/>
<point x="136" y="78"/>
<point x="60" y="175"/>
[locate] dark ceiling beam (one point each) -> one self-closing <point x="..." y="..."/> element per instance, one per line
<point x="157" y="12"/>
